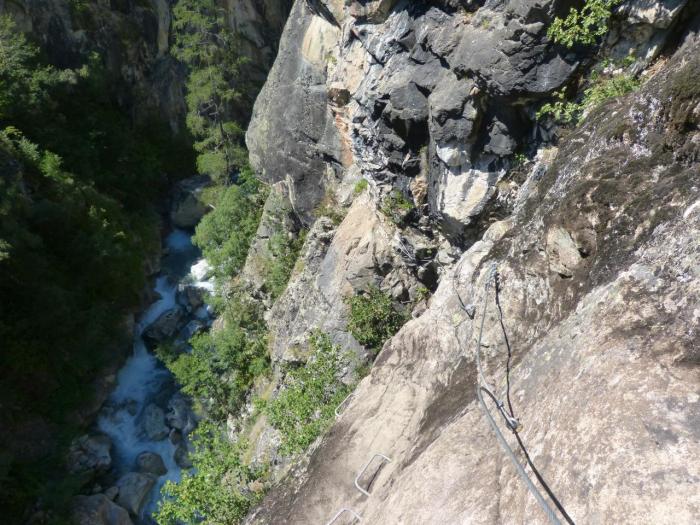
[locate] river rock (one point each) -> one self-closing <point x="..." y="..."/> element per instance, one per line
<point x="187" y="208"/>
<point x="151" y="463"/>
<point x="90" y="454"/>
<point x="179" y="414"/>
<point x="182" y="456"/>
<point x="165" y="327"/>
<point x="98" y="510"/>
<point x="190" y="297"/>
<point x="153" y="423"/>
<point x="133" y="490"/>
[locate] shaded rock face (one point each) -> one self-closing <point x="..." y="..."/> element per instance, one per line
<point x="598" y="286"/>
<point x="151" y="463"/>
<point x="165" y="327"/>
<point x="187" y="208"/>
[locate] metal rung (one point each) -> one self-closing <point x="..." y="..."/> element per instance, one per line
<point x="340" y="512"/>
<point x="357" y="478"/>
<point x="342" y="404"/>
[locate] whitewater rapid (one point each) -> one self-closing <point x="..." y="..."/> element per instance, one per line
<point x="143" y="378"/>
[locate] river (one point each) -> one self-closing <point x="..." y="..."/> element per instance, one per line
<point x="144" y="383"/>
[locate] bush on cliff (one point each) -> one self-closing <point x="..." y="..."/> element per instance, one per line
<point x="373" y="318"/>
<point x="305" y="407"/>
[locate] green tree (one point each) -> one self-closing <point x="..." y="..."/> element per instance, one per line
<point x="214" y="86"/>
<point x="224" y="235"/>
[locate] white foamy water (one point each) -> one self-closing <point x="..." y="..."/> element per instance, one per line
<point x="143" y="378"/>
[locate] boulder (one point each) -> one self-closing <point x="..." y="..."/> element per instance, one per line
<point x="153" y="423"/>
<point x="133" y="491"/>
<point x="90" y="454"/>
<point x="190" y="297"/>
<point x="98" y="510"/>
<point x="179" y="414"/>
<point x="165" y="327"/>
<point x="151" y="463"/>
<point x="187" y="208"/>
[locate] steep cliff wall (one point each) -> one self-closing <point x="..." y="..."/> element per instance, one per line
<point x="593" y="230"/>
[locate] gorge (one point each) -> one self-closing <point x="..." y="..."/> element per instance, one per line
<point x="443" y="267"/>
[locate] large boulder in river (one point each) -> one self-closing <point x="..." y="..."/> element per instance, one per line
<point x="187" y="207"/>
<point x="133" y="490"/>
<point x="190" y="297"/>
<point x="153" y="423"/>
<point x="98" y="510"/>
<point x="165" y="327"/>
<point x="90" y="454"/>
<point x="151" y="463"/>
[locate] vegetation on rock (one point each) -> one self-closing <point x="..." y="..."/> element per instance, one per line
<point x="373" y="318"/>
<point x="583" y="26"/>
<point x="305" y="407"/>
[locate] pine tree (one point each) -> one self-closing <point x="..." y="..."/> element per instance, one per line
<point x="215" y="85"/>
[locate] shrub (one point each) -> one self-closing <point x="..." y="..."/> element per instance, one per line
<point x="360" y="186"/>
<point x="215" y="491"/>
<point x="396" y="206"/>
<point x="224" y="363"/>
<point x="583" y="26"/>
<point x="305" y="407"/>
<point x="600" y="90"/>
<point x="373" y="318"/>
<point x="277" y="269"/>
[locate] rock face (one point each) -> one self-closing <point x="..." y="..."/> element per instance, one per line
<point x="98" y="510"/>
<point x="594" y="241"/>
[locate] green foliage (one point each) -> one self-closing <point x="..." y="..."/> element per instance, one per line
<point x="373" y="318"/>
<point x="584" y="26"/>
<point x="284" y="251"/>
<point x="396" y="206"/>
<point x="305" y="407"/>
<point x="216" y="85"/>
<point x="360" y="186"/>
<point x="223" y="363"/>
<point x="224" y="235"/>
<point x="601" y="88"/>
<point x="73" y="236"/>
<point x="213" y="492"/>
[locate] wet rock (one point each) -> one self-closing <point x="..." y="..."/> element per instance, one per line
<point x="192" y="328"/>
<point x="133" y="491"/>
<point x="179" y="414"/>
<point x="90" y="454"/>
<point x="175" y="436"/>
<point x="182" y="456"/>
<point x="151" y="463"/>
<point x="153" y="423"/>
<point x="190" y="297"/>
<point x="187" y="208"/>
<point x="165" y="327"/>
<point x="98" y="510"/>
